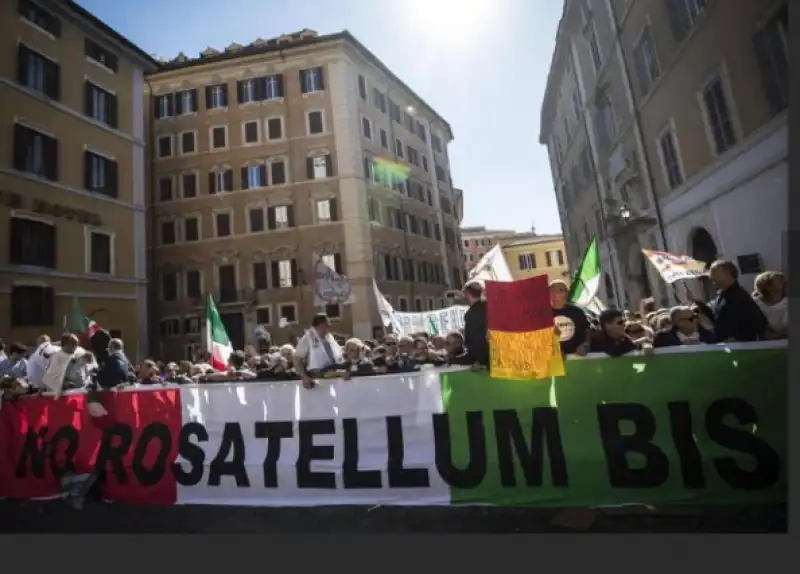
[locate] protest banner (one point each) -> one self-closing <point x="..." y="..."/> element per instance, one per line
<point x="673" y="267"/>
<point x="439" y="322"/>
<point x="701" y="428"/>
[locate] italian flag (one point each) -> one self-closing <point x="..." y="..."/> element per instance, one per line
<point x="81" y="324"/>
<point x="586" y="284"/>
<point x="218" y="344"/>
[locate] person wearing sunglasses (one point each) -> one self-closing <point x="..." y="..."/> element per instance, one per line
<point x="686" y="329"/>
<point x="613" y="340"/>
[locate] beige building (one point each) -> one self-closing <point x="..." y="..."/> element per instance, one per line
<point x="271" y="157"/>
<point x="539" y="255"/>
<point x="72" y="168"/>
<point x="476" y="241"/>
<point x="666" y="126"/>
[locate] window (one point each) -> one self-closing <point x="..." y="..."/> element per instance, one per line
<point x="164" y="106"/>
<point x="275" y="128"/>
<point x="191" y="228"/>
<point x="418" y="304"/>
<point x="164" y="146"/>
<point x="277" y="169"/>
<point x="273" y="87"/>
<point x="384" y="139"/>
<point x="319" y="166"/>
<point x="604" y="123"/>
<point x="228" y="292"/>
<point x="217" y="96"/>
<point x="333" y="262"/>
<point x="255" y="219"/>
<point x="194" y="288"/>
<point x="260" y="282"/>
<point x="413" y="157"/>
<point x="32" y="306"/>
<point x="594" y="49"/>
<point x="220" y="181"/>
<point x="168" y="235"/>
<point x="402" y="302"/>
<point x="32" y="242"/>
<point x="362" y="87"/>
<point x="38" y="73"/>
<point x="772" y="51"/>
<point x="718" y="116"/>
<point x="288" y="312"/>
<point x="398" y="148"/>
<point x="101" y="252"/>
<point x="192" y="325"/>
<point x="327" y="210"/>
<point x="333" y="311"/>
<point x="100" y="174"/>
<point x="247" y="91"/>
<point x="436" y="143"/>
<point x="284" y="273"/>
<point x="40" y="18"/>
<point x="169" y="286"/>
<point x="682" y="16"/>
<point x="670" y="160"/>
<point x="170" y="327"/>
<point x="421" y="131"/>
<point x="189" y="185"/>
<point x="165" y="189"/>
<point x="186" y="102"/>
<point x="366" y="127"/>
<point x="219" y="137"/>
<point x="35" y="152"/>
<point x="315" y="123"/>
<point x="254" y="176"/>
<point x="101" y="104"/>
<point x="379" y="99"/>
<point x="188" y="144"/>
<point x="646" y="61"/>
<point x="100" y="55"/>
<point x="222" y="224"/>
<point x="527" y="261"/>
<point x="424" y="163"/>
<point x="280" y="217"/>
<point x="312" y="80"/>
<point x="250" y="130"/>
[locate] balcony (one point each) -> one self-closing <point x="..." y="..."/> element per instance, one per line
<point x="228" y="297"/>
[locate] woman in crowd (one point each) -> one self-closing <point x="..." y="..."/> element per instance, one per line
<point x="771" y="296"/>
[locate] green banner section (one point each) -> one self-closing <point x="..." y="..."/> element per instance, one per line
<point x="697" y="428"/>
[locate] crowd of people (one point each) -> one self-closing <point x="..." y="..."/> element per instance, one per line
<point x="733" y="315"/>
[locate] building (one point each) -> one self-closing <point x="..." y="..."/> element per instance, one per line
<point x="666" y="126"/>
<point x="266" y="161"/>
<point x="540" y="255"/>
<point x="72" y="168"/>
<point x="477" y="241"/>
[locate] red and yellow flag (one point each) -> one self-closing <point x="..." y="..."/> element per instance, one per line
<point x="523" y="343"/>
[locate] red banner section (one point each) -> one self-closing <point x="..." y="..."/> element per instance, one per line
<point x="131" y="449"/>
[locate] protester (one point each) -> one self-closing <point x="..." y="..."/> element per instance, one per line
<point x="114" y="370"/>
<point x="613" y="340"/>
<point x="685" y="330"/>
<point x="355" y="362"/>
<point x="476" y="336"/>
<point x="317" y="351"/>
<point x="15" y="365"/>
<point x="771" y="296"/>
<point x="39" y="360"/>
<point x="571" y="323"/>
<point x="456" y="353"/>
<point x="737" y="317"/>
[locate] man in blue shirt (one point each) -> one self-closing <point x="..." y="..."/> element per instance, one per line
<point x="15" y="365"/>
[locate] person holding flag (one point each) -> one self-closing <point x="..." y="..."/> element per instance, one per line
<point x="572" y="326"/>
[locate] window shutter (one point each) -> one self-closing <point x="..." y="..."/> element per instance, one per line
<point x="279" y="78"/>
<point x="112" y="182"/>
<point x="55" y="28"/>
<point x="244" y="178"/>
<point x="303" y="82"/>
<point x="773" y="68"/>
<point x="20" y="146"/>
<point x="321" y="76"/>
<point x="113" y="111"/>
<point x="275" y="272"/>
<point x="48" y="305"/>
<point x="87" y="170"/>
<point x="50" y="153"/>
<point x="87" y="98"/>
<point x="329" y="165"/>
<point x="212" y="183"/>
<point x="271" y="222"/>
<point x="676" y="10"/>
<point x="171" y="103"/>
<point x="240" y="91"/>
<point x="178" y="103"/>
<point x="208" y="97"/>
<point x="194" y="99"/>
<point x="22" y="64"/>
<point x="290" y="215"/>
<point x="16" y="248"/>
<point x="156" y="101"/>
<point x="337" y="263"/>
<point x="261" y="88"/>
<point x="334" y="208"/>
<point x="228" y="179"/>
<point x="309" y="168"/>
<point x="54" y="81"/>
<point x="295" y="274"/>
<point x="224" y="95"/>
<point x="262" y="174"/>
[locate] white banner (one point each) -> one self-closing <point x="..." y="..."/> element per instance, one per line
<point x="275" y="473"/>
<point x="491" y="267"/>
<point x="330" y="287"/>
<point x="432" y="322"/>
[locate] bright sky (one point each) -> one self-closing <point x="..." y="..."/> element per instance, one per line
<point x="482" y="64"/>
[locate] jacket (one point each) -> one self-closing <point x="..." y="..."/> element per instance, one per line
<point x="114" y="370"/>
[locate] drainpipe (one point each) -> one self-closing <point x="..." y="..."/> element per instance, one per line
<point x="153" y="298"/>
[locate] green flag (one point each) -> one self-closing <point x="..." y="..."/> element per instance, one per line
<point x="433" y="330"/>
<point x="586" y="283"/>
<point x="77" y="319"/>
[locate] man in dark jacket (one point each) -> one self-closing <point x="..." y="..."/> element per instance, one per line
<point x="475" y="332"/>
<point x="736" y="316"/>
<point x="116" y="366"/>
<point x="686" y="330"/>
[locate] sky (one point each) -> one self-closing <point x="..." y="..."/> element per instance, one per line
<point x="481" y="64"/>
